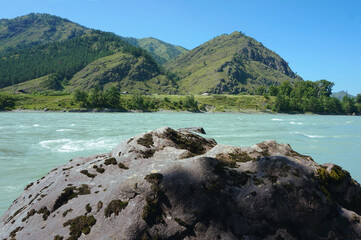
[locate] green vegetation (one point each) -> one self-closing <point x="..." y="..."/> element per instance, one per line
<point x="7" y="101"/>
<point x="152" y="211"/>
<point x="88" y="208"/>
<point x="67" y="211"/>
<point x="58" y="237"/>
<point x="122" y="166"/>
<point x="146" y="140"/>
<point x="115" y="206"/>
<point x="44" y="210"/>
<point x="65" y="58"/>
<point x="111" y="99"/>
<point x="312" y="97"/>
<point x="88" y="174"/>
<point x="110" y="161"/>
<point x="328" y="179"/>
<point x="160" y="51"/>
<point x="335" y="176"/>
<point x="35" y="29"/>
<point x="154" y="178"/>
<point x="126" y="72"/>
<point x="230" y="64"/>
<point x="79" y="225"/>
<point x="70" y="193"/>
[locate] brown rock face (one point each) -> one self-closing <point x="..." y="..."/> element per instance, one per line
<point x="168" y="184"/>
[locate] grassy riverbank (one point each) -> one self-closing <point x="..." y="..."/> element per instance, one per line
<point x="213" y="103"/>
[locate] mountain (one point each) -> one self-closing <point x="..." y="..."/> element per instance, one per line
<point x="36" y="29"/>
<point x="231" y="64"/>
<point x="44" y="52"/>
<point x="124" y="71"/>
<point x="160" y="51"/>
<point x="84" y="62"/>
<point x="341" y="94"/>
<point x="55" y="53"/>
<point x="40" y="28"/>
<point x="168" y="184"/>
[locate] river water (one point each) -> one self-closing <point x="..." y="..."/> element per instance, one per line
<point x="31" y="144"/>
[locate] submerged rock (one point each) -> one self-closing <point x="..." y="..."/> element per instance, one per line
<point x="168" y="184"/>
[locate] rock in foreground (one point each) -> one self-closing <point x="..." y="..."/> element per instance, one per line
<point x="169" y="184"/>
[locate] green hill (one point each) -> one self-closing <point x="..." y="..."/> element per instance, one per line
<point x="126" y="72"/>
<point x="64" y="58"/>
<point x="160" y="51"/>
<point x="64" y="61"/>
<point x="231" y="64"/>
<point x="48" y="82"/>
<point x="341" y="94"/>
<point x="36" y="29"/>
<point x="39" y="28"/>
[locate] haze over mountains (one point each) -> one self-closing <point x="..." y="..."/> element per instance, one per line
<point x="44" y="52"/>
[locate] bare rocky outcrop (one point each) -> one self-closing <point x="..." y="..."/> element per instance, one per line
<point x="168" y="184"/>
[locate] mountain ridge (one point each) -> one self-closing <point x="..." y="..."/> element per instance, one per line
<point x="36" y="29"/>
<point x="228" y="63"/>
<point x="161" y="51"/>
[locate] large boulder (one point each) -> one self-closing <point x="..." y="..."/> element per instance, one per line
<point x="168" y="184"/>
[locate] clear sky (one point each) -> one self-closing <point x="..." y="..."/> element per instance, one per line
<point x="321" y="39"/>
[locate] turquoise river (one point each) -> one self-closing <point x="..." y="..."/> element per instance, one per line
<point x="31" y="144"/>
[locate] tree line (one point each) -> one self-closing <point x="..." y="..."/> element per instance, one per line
<point x="309" y="96"/>
<point x="111" y="98"/>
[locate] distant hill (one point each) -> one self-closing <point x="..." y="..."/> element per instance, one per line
<point x="36" y="29"/>
<point x="231" y="64"/>
<point x="341" y="94"/>
<point x="94" y="59"/>
<point x="160" y="51"/>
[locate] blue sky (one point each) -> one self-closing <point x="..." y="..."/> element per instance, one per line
<point x="321" y="39"/>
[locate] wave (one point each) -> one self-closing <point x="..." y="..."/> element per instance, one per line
<point x="296" y="123"/>
<point x="69" y="145"/>
<point x="64" y="130"/>
<point x="277" y="119"/>
<point x="310" y="136"/>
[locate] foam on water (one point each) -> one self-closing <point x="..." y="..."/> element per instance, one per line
<point x="277" y="119"/>
<point x="69" y="145"/>
<point x="296" y="123"/>
<point x="309" y="136"/>
<point x="64" y="130"/>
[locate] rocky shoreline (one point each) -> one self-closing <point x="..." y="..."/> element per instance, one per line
<point x="176" y="184"/>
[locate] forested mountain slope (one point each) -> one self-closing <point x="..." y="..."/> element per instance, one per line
<point x="36" y="29"/>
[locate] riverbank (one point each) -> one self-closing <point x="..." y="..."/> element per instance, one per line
<point x="152" y="103"/>
<point x="250" y="104"/>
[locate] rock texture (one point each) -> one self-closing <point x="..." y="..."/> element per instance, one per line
<point x="168" y="184"/>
